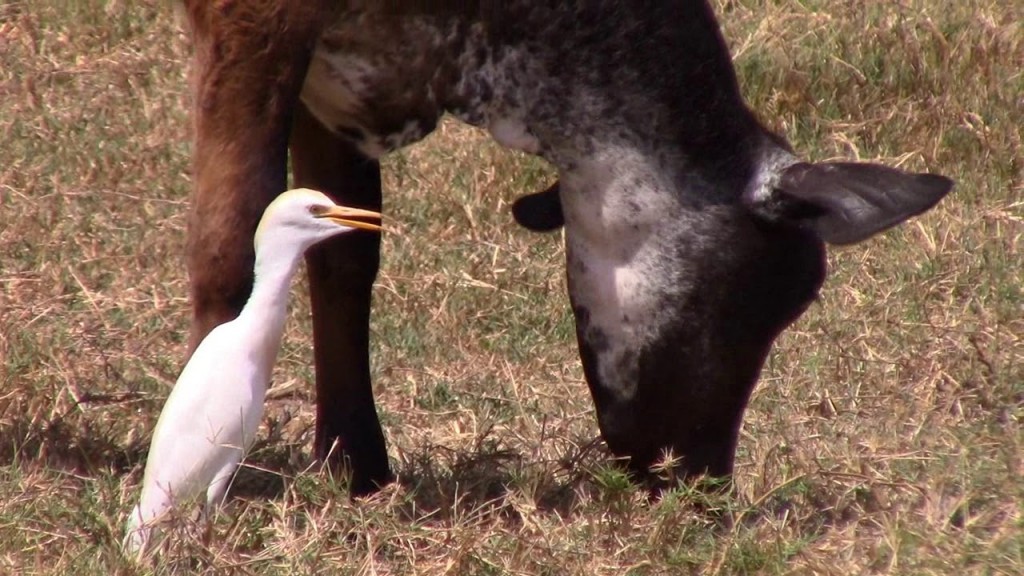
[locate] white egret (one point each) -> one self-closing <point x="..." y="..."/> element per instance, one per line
<point x="212" y="414"/>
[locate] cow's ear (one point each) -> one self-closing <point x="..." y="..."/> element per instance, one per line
<point x="845" y="203"/>
<point x="540" y="211"/>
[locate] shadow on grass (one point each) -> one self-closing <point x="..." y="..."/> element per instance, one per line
<point x="264" y="474"/>
<point x="80" y="447"/>
<point x="440" y="483"/>
<point x="443" y="483"/>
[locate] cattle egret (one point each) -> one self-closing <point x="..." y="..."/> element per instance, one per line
<point x="212" y="414"/>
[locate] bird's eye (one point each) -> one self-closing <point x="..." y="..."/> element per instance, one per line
<point x="317" y="209"/>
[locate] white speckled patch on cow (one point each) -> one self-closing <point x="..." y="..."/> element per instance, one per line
<point x="372" y="79"/>
<point x="622" y="219"/>
<point x="772" y="163"/>
<point x="362" y="88"/>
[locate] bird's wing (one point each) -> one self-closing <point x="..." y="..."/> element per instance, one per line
<point x="208" y="419"/>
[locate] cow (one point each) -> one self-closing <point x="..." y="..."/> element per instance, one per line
<point x="694" y="235"/>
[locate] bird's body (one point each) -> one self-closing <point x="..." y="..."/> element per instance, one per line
<point x="228" y="433"/>
<point x="212" y="414"/>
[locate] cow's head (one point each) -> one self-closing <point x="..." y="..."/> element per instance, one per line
<point x="677" y="305"/>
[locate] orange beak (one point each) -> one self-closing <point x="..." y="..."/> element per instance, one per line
<point x="353" y="217"/>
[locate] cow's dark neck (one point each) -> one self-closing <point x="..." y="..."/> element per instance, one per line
<point x="568" y="81"/>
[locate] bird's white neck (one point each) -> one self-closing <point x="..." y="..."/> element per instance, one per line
<point x="264" y="313"/>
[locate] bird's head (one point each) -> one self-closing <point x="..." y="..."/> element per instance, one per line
<point x="303" y="217"/>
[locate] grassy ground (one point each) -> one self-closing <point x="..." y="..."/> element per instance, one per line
<point x="884" y="438"/>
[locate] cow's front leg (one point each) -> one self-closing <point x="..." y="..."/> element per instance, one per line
<point x="341" y="274"/>
<point x="248" y="68"/>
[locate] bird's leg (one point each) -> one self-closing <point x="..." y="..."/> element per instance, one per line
<point x="218" y="488"/>
<point x="341" y="274"/>
<point x="247" y="72"/>
<point x="206" y="532"/>
<point x="203" y="520"/>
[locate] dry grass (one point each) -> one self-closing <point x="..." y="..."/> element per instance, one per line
<point x="885" y="436"/>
